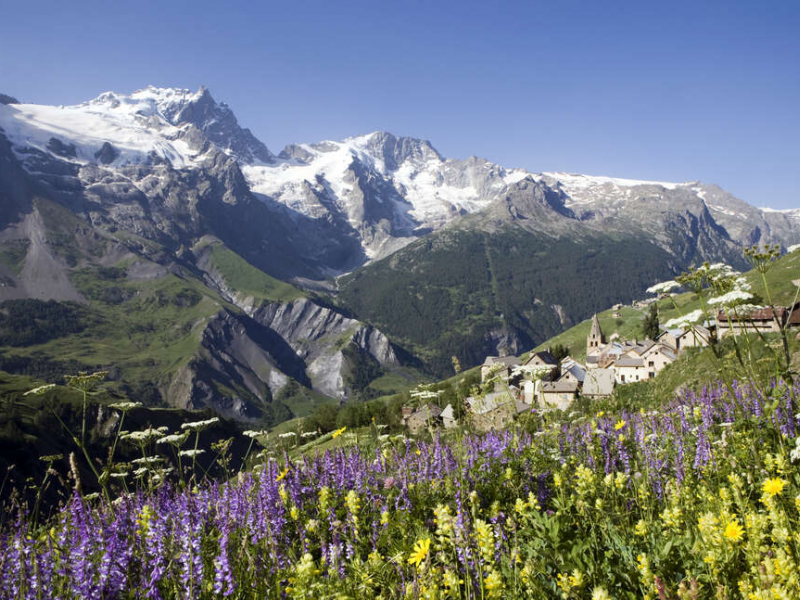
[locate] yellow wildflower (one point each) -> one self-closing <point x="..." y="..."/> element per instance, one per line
<point x="420" y="551"/>
<point x="338" y="432"/>
<point x="620" y="424"/>
<point x="493" y="584"/>
<point x="733" y="532"/>
<point x="773" y="487"/>
<point x="283" y="474"/>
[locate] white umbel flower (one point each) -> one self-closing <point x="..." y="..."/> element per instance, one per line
<point x="731" y="298"/>
<point x="687" y="319"/>
<point x="200" y="425"/>
<point x="663" y="287"/>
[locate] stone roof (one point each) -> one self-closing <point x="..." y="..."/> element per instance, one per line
<point x="559" y="386"/>
<point x="510" y="361"/>
<point x="427" y="412"/>
<point x="629" y="361"/>
<point x="448" y="413"/>
<point x="545" y="356"/>
<point x="576" y="370"/>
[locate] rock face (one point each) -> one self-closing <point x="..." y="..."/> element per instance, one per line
<point x="318" y="334"/>
<point x="256" y="356"/>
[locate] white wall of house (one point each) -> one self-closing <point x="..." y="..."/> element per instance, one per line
<point x="630" y="374"/>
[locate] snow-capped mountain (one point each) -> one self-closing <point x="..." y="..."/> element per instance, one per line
<point x="116" y="130"/>
<point x="359" y="199"/>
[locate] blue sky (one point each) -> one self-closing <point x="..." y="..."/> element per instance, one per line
<point x="671" y="91"/>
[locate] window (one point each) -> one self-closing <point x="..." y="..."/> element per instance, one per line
<point x="651" y="364"/>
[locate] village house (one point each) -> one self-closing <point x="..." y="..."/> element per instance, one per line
<point x="656" y="358"/>
<point x="448" y="417"/>
<point x="680" y="339"/>
<point x="492" y="411"/>
<point x="558" y="394"/>
<point x="422" y="418"/>
<point x="763" y="320"/>
<point x="502" y="366"/>
<point x="599" y="383"/>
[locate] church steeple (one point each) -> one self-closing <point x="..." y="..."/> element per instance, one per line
<point x="595" y="339"/>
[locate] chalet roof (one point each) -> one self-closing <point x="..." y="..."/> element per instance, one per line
<point x="591" y="359"/>
<point x="510" y="361"/>
<point x="575" y="369"/>
<point x="428" y="411"/>
<point x="762" y="314"/>
<point x="599" y="382"/>
<point x="559" y="386"/>
<point x="448" y="413"/>
<point x="629" y="361"/>
<point x="545" y="356"/>
<point x="669" y="353"/>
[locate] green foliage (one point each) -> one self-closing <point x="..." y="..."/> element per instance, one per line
<point x="559" y="351"/>
<point x="13" y="253"/>
<point x="28" y="322"/>
<point x="650" y="326"/>
<point x="363" y="368"/>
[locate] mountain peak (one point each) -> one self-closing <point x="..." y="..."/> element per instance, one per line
<point x="393" y="150"/>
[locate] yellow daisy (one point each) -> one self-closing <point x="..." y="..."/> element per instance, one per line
<point x="420" y="551"/>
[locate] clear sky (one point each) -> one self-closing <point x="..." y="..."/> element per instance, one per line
<point x="664" y="90"/>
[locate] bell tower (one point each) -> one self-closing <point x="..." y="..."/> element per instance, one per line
<point x="595" y="340"/>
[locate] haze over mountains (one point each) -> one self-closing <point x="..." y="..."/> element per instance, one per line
<point x="444" y="256"/>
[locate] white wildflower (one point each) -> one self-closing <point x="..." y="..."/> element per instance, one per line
<point x="121" y="475"/>
<point x="308" y="434"/>
<point x="140" y="471"/>
<point x="740" y="283"/>
<point x="288" y="434"/>
<point x="719" y="270"/>
<point x="663" y="287"/>
<point x="732" y="298"/>
<point x="176" y="439"/>
<point x="686" y="319"/>
<point x="143" y="436"/>
<point x="40" y="390"/>
<point x="200" y="425"/>
<point x="147" y="460"/>
<point x="191" y="453"/>
<point x="254" y="434"/>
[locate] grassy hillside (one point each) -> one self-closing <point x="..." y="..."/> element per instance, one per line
<point x="457" y="292"/>
<point x="247" y="279"/>
<point x="629" y="324"/>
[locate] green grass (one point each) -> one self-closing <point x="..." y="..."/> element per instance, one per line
<point x="247" y="279"/>
<point x="13" y="253"/>
<point x="142" y="329"/>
